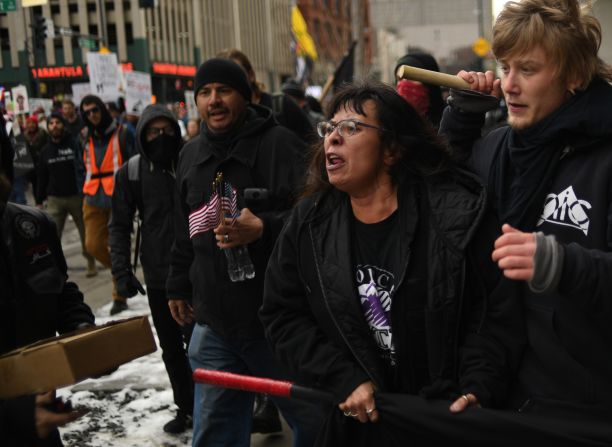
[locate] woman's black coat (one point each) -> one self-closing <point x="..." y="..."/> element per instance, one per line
<point x="313" y="318"/>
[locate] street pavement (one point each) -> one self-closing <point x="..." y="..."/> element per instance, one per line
<point x="98" y="293"/>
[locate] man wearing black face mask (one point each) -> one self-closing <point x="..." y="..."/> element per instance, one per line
<point x="146" y="183"/>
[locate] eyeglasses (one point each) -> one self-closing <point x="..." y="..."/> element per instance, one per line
<point x="92" y="110"/>
<point x="154" y="132"/>
<point x="346" y="128"/>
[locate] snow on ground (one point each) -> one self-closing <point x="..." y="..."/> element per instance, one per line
<point x="128" y="407"/>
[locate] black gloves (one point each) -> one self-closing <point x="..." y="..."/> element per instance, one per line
<point x="128" y="285"/>
<point x="472" y="102"/>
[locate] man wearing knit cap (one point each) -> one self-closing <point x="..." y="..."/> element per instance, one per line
<point x="58" y="184"/>
<point x="236" y="182"/>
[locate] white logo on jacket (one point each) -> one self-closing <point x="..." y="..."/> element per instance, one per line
<point x="566" y="209"/>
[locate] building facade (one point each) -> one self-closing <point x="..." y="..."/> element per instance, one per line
<point x="334" y="25"/>
<point x="447" y="29"/>
<point x="168" y="40"/>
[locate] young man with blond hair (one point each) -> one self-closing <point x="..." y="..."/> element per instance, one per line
<point x="549" y="178"/>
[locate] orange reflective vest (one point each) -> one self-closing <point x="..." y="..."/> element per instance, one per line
<point x="106" y="173"/>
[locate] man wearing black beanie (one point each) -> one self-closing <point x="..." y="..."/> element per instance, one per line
<point x="225" y="71"/>
<point x="58" y="183"/>
<point x="236" y="182"/>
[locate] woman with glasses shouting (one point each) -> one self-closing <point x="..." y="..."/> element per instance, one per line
<point x="381" y="280"/>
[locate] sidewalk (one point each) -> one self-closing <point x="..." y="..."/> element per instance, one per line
<point x="130" y="406"/>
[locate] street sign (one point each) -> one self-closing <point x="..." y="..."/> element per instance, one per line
<point x="84" y="42"/>
<point x="29" y="3"/>
<point x="481" y="47"/>
<point x="65" y="31"/>
<point x="8" y="5"/>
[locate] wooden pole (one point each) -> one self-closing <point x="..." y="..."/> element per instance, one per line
<point x="431" y="77"/>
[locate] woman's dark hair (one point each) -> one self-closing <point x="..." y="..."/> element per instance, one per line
<point x="410" y="138"/>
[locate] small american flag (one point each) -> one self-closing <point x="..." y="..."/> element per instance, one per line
<point x="229" y="201"/>
<point x="223" y="202"/>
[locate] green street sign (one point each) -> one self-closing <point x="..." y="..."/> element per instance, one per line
<point x="87" y="43"/>
<point x="8" y="5"/>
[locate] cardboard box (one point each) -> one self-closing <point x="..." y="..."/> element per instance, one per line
<point x="67" y="359"/>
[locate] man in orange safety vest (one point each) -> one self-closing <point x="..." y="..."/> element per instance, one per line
<point x="106" y="147"/>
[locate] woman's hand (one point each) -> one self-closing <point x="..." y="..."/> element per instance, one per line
<point x="361" y="404"/>
<point x="467" y="400"/>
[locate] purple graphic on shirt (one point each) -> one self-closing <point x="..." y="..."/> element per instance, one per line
<point x="372" y="307"/>
<point x="376" y="288"/>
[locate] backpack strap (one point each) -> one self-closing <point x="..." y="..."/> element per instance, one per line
<point x="133" y="168"/>
<point x="277" y="103"/>
<point x="135" y="185"/>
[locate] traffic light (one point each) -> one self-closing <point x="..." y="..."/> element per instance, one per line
<point x="43" y="29"/>
<point x="40" y="31"/>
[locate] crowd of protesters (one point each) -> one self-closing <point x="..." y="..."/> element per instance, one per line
<point x="442" y="284"/>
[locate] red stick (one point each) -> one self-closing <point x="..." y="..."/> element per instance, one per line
<point x="241" y="382"/>
<point x="260" y="385"/>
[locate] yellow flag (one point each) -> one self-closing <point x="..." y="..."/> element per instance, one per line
<point x="300" y="31"/>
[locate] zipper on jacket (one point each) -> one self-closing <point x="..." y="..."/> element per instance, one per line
<point x="567" y="150"/>
<point x="314" y="251"/>
<point x="526" y="406"/>
<point x="459" y="319"/>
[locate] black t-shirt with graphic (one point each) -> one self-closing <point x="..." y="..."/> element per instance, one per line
<point x="376" y="264"/>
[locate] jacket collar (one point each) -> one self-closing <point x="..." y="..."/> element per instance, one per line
<point x="330" y="235"/>
<point x="240" y="146"/>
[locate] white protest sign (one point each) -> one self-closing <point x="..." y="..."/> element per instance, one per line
<point x="137" y="91"/>
<point x="104" y="75"/>
<point x="20" y="99"/>
<point x="79" y="90"/>
<point x="8" y="101"/>
<point x="45" y="104"/>
<point x="192" y="109"/>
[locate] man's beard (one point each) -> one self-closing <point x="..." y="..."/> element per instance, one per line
<point x="56" y="135"/>
<point x="5" y="191"/>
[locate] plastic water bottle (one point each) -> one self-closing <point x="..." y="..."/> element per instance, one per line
<point x="244" y="260"/>
<point x="239" y="265"/>
<point x="235" y="272"/>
